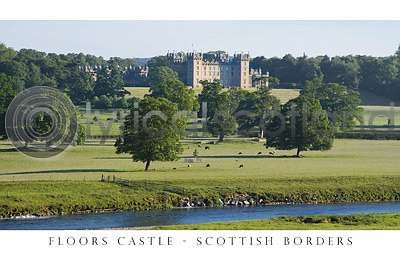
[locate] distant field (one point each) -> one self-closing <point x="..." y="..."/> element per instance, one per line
<point x="138" y="92"/>
<point x="101" y="122"/>
<point x="355" y="222"/>
<point x="283" y="95"/>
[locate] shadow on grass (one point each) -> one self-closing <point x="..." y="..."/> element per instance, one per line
<point x="243" y="156"/>
<point x="112" y="158"/>
<point x="8" y="150"/>
<point x="215" y="157"/>
<point x="69" y="171"/>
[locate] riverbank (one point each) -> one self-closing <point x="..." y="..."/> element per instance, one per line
<point x="41" y="198"/>
<point x="353" y="222"/>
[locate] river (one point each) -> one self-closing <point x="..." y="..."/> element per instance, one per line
<point x="191" y="216"/>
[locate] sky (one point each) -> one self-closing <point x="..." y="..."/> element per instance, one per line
<point x="150" y="38"/>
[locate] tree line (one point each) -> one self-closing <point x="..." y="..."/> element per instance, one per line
<point x="82" y="77"/>
<point x="379" y="75"/>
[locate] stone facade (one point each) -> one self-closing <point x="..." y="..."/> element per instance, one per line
<point x="195" y="67"/>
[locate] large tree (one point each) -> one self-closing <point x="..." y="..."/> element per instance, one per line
<point x="254" y="108"/>
<point x="209" y="95"/>
<point x="110" y="82"/>
<point x="79" y="85"/>
<point x="8" y="91"/>
<point x="304" y="126"/>
<point x="341" y="104"/>
<point x="165" y="83"/>
<point x="221" y="108"/>
<point x="223" y="122"/>
<point x="152" y="131"/>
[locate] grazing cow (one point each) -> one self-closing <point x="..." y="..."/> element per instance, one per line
<point x="174" y="168"/>
<point x="199" y="145"/>
<point x="189" y="165"/>
<point x="259" y="153"/>
<point x="207" y="148"/>
<point x="241" y="166"/>
<point x="240" y="152"/>
<point x="272" y="153"/>
<point x="208" y="165"/>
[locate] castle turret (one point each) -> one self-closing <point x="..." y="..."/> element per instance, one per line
<point x="194" y="68"/>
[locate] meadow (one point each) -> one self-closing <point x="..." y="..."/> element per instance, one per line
<point x="354" y="170"/>
<point x="283" y="95"/>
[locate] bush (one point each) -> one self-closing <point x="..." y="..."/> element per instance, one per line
<point x="81" y="135"/>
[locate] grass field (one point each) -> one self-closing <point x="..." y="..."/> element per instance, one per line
<point x="138" y="92"/>
<point x="101" y="122"/>
<point x="355" y="222"/>
<point x="354" y="170"/>
<point x="283" y="95"/>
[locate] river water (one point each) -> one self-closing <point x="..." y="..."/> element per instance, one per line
<point x="191" y="216"/>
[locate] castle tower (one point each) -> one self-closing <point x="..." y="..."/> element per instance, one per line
<point x="241" y="71"/>
<point x="194" y="69"/>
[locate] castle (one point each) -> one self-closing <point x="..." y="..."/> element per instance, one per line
<point x="233" y="71"/>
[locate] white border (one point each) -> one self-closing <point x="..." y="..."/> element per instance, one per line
<point x="200" y="9"/>
<point x="33" y="246"/>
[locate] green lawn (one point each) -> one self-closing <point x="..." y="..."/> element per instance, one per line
<point x="138" y="92"/>
<point x="354" y="222"/>
<point x="283" y="95"/>
<point x="354" y="170"/>
<point x="348" y="158"/>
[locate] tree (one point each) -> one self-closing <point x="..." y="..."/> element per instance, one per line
<point x="254" y="108"/>
<point x="151" y="137"/>
<point x="341" y="104"/>
<point x="223" y="122"/>
<point x="164" y="82"/>
<point x="8" y="91"/>
<point x="79" y="85"/>
<point x="209" y="95"/>
<point x="398" y="52"/>
<point x="221" y="108"/>
<point x="103" y="102"/>
<point x="80" y="135"/>
<point x="341" y="70"/>
<point x="110" y="82"/>
<point x="42" y="123"/>
<point x="159" y="61"/>
<point x="305" y="127"/>
<point x="6" y="53"/>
